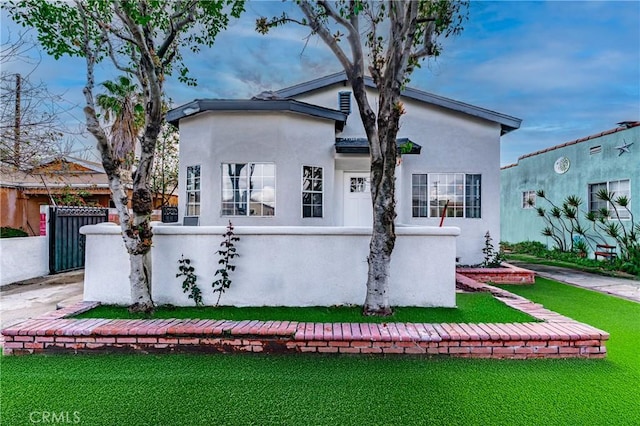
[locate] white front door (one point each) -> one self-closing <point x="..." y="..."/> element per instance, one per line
<point x="357" y="199"/>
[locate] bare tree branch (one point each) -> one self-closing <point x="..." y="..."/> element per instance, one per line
<point x="112" y="55"/>
<point x="178" y="21"/>
<point x="326" y="36"/>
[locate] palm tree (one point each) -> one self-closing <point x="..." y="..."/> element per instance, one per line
<point x="122" y="108"/>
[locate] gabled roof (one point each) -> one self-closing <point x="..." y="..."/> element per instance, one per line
<point x="202" y="105"/>
<point x="90" y="166"/>
<point x="506" y="122"/>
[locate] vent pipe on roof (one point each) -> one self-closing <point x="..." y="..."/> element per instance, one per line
<point x="344" y="102"/>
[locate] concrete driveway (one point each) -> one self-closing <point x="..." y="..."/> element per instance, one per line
<point x="24" y="300"/>
<point x="621" y="287"/>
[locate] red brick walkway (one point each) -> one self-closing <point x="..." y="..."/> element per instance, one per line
<point x="556" y="337"/>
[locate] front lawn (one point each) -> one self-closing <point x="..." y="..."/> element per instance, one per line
<point x="472" y="307"/>
<point x="536" y="253"/>
<point x="343" y="390"/>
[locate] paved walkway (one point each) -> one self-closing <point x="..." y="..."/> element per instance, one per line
<point x="621" y="287"/>
<point x="37" y="296"/>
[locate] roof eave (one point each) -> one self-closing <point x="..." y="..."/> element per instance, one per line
<point x="507" y="123"/>
<point x="202" y="105"/>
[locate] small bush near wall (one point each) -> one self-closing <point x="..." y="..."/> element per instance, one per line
<point x="534" y="248"/>
<point x="7" y="232"/>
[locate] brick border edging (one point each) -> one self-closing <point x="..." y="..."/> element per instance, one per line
<point x="557" y="337"/>
<point x="507" y="274"/>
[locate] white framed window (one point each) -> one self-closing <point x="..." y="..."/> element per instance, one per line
<point x="529" y="199"/>
<point x="248" y="189"/>
<point x="473" y="196"/>
<point x="619" y="188"/>
<point x="459" y="193"/>
<point x="193" y="191"/>
<point x="312" y="191"/>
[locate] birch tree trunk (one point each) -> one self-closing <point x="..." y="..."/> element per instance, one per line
<point x="381" y="133"/>
<point x="136" y="229"/>
<point x="399" y="33"/>
<point x="139" y="38"/>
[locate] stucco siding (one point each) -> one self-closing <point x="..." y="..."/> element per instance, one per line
<point x="454" y="145"/>
<point x="23" y="258"/>
<point x="536" y="171"/>
<point x="452" y="142"/>
<point x="285" y="139"/>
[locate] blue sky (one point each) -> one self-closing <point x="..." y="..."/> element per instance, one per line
<point x="567" y="69"/>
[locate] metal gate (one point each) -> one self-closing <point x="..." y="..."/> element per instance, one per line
<point x="66" y="244"/>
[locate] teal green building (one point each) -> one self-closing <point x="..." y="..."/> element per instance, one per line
<point x="608" y="160"/>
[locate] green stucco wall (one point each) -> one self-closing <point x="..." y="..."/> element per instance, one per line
<point x="536" y="171"/>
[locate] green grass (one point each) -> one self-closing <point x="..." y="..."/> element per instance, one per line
<point x="472" y="307"/>
<point x="341" y="390"/>
<point x="621" y="318"/>
<point x="600" y="270"/>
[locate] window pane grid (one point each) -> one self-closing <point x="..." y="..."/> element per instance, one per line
<point x="596" y="204"/>
<point x="193" y="191"/>
<point x="312" y="194"/>
<point x="248" y="189"/>
<point x="420" y="196"/>
<point x="473" y="206"/>
<point x="446" y="191"/>
<point x="459" y="192"/>
<point x="619" y="188"/>
<point x="529" y="200"/>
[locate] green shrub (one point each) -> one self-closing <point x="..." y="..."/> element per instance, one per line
<point x="535" y="248"/>
<point x="630" y="268"/>
<point x="8" y="232"/>
<point x="539" y="250"/>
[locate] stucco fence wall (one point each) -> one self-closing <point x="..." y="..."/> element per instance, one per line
<point x="23" y="258"/>
<point x="277" y="266"/>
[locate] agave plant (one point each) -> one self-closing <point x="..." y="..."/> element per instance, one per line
<point x="613" y="230"/>
<point x="603" y="214"/>
<point x="574" y="201"/>
<point x="569" y="212"/>
<point x="622" y="201"/>
<point x="605" y="195"/>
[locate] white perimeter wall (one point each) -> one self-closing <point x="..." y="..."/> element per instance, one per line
<point x="278" y="266"/>
<point x="23" y="258"/>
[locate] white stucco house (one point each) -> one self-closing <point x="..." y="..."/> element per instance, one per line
<point x="299" y="157"/>
<point x="290" y="170"/>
